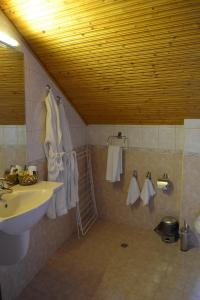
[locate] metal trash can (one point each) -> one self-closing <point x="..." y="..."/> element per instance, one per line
<point x="168" y="229"/>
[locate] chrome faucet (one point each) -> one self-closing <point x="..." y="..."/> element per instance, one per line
<point x="4" y="188"/>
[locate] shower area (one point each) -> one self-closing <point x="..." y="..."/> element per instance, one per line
<point x="119" y="256"/>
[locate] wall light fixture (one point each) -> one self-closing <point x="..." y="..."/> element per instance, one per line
<point x="6" y="39"/>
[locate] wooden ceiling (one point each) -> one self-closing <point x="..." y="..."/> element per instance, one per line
<point x="118" y="61"/>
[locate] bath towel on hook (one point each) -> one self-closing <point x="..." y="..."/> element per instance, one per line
<point x="54" y="153"/>
<point x="133" y="191"/>
<point x="148" y="191"/>
<point x="62" y="161"/>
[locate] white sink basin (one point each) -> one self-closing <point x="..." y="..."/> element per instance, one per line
<point x="25" y="206"/>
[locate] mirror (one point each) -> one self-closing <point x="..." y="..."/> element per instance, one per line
<point x="12" y="99"/>
<point x="12" y="109"/>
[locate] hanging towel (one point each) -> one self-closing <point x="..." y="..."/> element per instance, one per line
<point x="54" y="154"/>
<point x="114" y="163"/>
<point x="147" y="191"/>
<point x="70" y="162"/>
<point x="133" y="191"/>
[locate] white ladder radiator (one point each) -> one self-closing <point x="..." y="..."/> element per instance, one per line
<point x="86" y="212"/>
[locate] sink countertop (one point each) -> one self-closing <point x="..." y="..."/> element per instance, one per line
<point x="52" y="185"/>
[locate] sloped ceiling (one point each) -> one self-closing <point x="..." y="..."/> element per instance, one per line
<point x="118" y="61"/>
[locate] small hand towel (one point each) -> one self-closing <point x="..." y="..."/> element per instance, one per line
<point x="133" y="191"/>
<point x="147" y="191"/>
<point x="114" y="163"/>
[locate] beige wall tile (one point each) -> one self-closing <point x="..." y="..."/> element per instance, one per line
<point x="140" y="136"/>
<point x="134" y="134"/>
<point x="180" y="137"/>
<point x="190" y="206"/>
<point x="192" y="140"/>
<point x="167" y="137"/>
<point x="111" y="198"/>
<point x="192" y="123"/>
<point x="150" y="137"/>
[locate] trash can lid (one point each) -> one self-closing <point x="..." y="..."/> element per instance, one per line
<point x="169" y="220"/>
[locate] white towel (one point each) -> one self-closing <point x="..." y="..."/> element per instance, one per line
<point x="147" y="191"/>
<point x="114" y="163"/>
<point x="133" y="191"/>
<point x="54" y="153"/>
<point x="70" y="161"/>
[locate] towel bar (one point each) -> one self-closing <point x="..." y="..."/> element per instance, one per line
<point x="119" y="137"/>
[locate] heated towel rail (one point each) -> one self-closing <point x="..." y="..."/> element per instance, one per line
<point x="86" y="212"/>
<point x="119" y="139"/>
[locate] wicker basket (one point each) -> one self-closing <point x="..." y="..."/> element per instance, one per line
<point x="12" y="178"/>
<point x="28" y="179"/>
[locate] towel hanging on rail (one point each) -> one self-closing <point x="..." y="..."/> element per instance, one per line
<point x="119" y="139"/>
<point x="114" y="163"/>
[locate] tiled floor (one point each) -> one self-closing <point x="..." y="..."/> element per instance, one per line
<point x="98" y="268"/>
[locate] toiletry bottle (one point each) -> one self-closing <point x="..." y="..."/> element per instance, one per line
<point x="184" y="237"/>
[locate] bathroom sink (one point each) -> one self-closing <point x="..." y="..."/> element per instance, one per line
<point x="25" y="206"/>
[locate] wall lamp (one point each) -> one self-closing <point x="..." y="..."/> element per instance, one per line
<point x="7" y="40"/>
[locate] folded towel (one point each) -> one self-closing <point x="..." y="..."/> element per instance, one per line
<point x="114" y="163"/>
<point x="147" y="191"/>
<point x="133" y="192"/>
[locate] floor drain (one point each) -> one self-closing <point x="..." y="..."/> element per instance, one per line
<point x="124" y="245"/>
